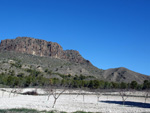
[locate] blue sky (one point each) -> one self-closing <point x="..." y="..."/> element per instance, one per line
<point x="109" y="33"/>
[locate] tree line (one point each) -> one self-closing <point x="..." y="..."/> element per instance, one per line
<point x="36" y="79"/>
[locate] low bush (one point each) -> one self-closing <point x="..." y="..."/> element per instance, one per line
<point x="30" y="93"/>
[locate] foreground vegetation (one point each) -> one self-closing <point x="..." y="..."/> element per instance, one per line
<point x="23" y="110"/>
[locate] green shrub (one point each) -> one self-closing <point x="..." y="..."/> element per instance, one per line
<point x="22" y="110"/>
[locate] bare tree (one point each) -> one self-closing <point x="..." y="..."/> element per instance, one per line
<point x="98" y="94"/>
<point x="10" y="92"/>
<point x="83" y="95"/>
<point x="48" y="91"/>
<point x="3" y="91"/>
<point x="55" y="90"/>
<point x="14" y="91"/>
<point x="18" y="91"/>
<point x="56" y="95"/>
<point x="48" y="88"/>
<point x="124" y="94"/>
<point x="81" y="92"/>
<point x="146" y="95"/>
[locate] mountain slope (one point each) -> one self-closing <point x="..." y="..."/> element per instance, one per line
<point x="36" y="53"/>
<point x="55" y="65"/>
<point x="124" y="75"/>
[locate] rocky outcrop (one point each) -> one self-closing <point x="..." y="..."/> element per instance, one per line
<point x="75" y="56"/>
<point x="41" y="48"/>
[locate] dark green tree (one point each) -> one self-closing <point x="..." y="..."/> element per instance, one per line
<point x="146" y="84"/>
<point x="133" y="85"/>
<point x="123" y="85"/>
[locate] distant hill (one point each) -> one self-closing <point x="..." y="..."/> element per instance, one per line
<point x="42" y="55"/>
<point x="124" y="75"/>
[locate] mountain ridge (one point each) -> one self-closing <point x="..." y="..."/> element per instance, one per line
<point x="124" y="74"/>
<point x="51" y="55"/>
<point x="41" y="48"/>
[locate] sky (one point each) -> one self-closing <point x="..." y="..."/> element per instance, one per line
<point x="109" y="33"/>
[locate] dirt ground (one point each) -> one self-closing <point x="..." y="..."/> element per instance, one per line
<point x="73" y="102"/>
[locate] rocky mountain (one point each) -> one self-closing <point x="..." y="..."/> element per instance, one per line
<point x="41" y="48"/>
<point x="42" y="55"/>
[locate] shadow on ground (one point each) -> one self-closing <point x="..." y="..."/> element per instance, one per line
<point x="129" y="103"/>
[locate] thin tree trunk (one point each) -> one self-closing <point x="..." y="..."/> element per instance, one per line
<point x="54" y="103"/>
<point x="78" y="94"/>
<point x="146" y="96"/>
<point x="9" y="94"/>
<point x="48" y="97"/>
<point x="83" y="97"/>
<point x="2" y="93"/>
<point x="15" y="91"/>
<point x="97" y="98"/>
<point x="56" y="97"/>
<point x="123" y="102"/>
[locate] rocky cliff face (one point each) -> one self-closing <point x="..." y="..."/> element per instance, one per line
<point x="41" y="48"/>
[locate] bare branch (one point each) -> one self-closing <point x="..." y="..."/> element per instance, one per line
<point x="124" y="95"/>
